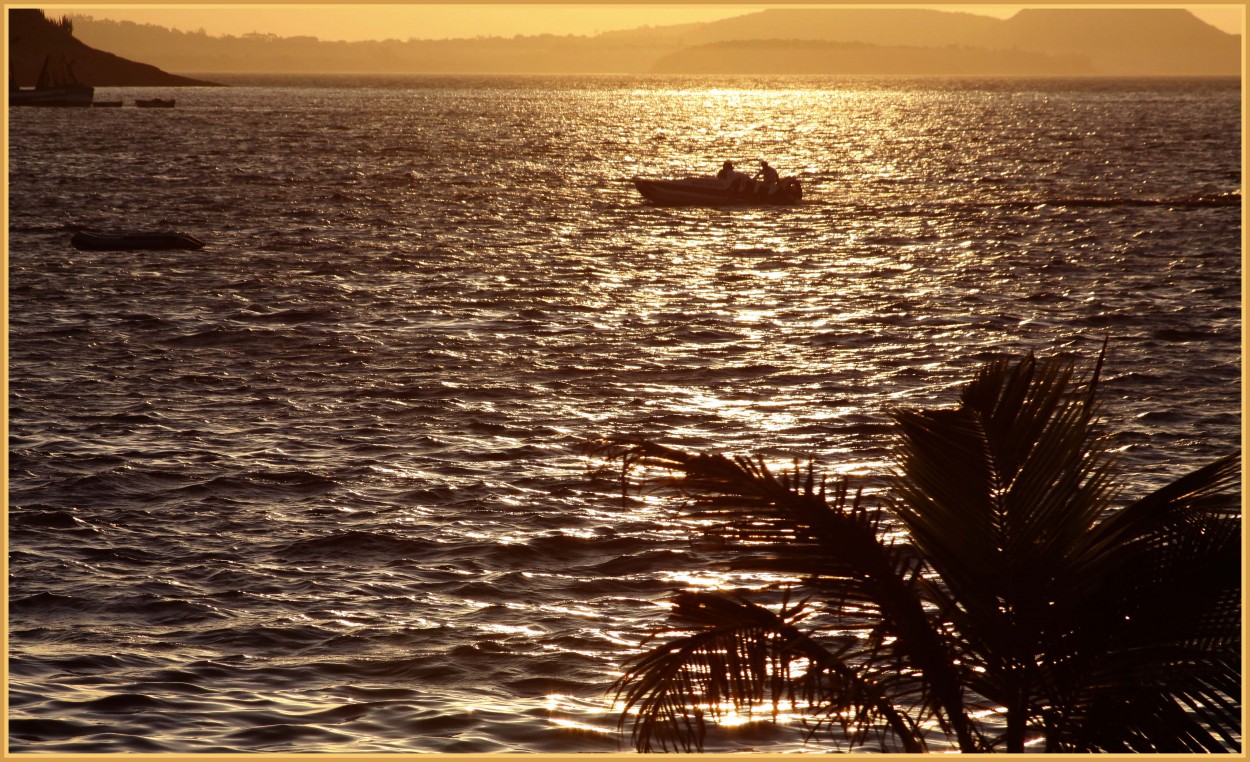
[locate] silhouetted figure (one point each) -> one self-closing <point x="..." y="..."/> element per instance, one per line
<point x="734" y="179"/>
<point x="768" y="174"/>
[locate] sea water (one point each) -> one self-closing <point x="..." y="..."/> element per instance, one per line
<point x="321" y="486"/>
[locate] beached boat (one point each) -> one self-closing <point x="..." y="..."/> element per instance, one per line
<point x="155" y="103"/>
<point x="56" y="86"/>
<point x="93" y="241"/>
<point x="710" y="191"/>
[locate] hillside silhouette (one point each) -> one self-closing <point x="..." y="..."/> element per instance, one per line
<point x="818" y="57"/>
<point x="33" y="37"/>
<point x="1126" y="41"/>
<point x="876" y="26"/>
<point x="1040" y="42"/>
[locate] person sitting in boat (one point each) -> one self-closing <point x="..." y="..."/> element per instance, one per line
<point x="768" y="174"/>
<point x="734" y="179"/>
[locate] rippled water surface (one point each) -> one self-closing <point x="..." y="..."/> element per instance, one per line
<point x="319" y="487"/>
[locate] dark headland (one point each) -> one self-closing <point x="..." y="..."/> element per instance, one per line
<point x="33" y="37"/>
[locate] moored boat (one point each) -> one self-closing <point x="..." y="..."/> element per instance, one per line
<point x="711" y="191"/>
<point x="155" y="103"/>
<point x="56" y="86"/>
<point x="93" y="241"/>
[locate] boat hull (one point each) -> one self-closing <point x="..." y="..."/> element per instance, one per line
<point x="73" y="95"/>
<point x="91" y="241"/>
<point x="709" y="191"/>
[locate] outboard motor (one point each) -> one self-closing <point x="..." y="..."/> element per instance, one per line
<point x="791" y="190"/>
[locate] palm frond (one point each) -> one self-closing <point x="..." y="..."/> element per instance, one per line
<point x="993" y="494"/>
<point x="1156" y="622"/>
<point x="1204" y="491"/>
<point x="1006" y="480"/>
<point x="1202" y="715"/>
<point x="744" y="656"/>
<point x="845" y="556"/>
<point x="1018" y="584"/>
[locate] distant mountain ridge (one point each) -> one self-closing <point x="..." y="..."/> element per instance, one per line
<point x="33" y="37"/>
<point x="1125" y="41"/>
<point x="820" y="57"/>
<point x="1090" y="41"/>
<point x="876" y="26"/>
<point x="1036" y="42"/>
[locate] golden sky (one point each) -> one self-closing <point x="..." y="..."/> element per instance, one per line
<point x="432" y="21"/>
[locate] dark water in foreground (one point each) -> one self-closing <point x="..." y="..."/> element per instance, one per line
<point x="319" y="488"/>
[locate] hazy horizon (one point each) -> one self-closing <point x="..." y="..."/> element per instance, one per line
<point x="428" y="22"/>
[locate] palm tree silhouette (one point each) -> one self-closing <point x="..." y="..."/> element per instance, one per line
<point x="1021" y="608"/>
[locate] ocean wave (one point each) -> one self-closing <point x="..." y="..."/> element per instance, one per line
<point x="45" y="519"/>
<point x="255" y="485"/>
<point x="1193" y="201"/>
<point x="43" y="604"/>
<point x="48" y="729"/>
<point x="222" y="337"/>
<point x="283" y="736"/>
<point x="119" y="703"/>
<point x="292" y="316"/>
<point x="345" y="546"/>
<point x="255" y="640"/>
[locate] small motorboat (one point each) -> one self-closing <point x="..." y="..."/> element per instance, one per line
<point x="716" y="192"/>
<point x="92" y="241"/>
<point x="155" y="103"/>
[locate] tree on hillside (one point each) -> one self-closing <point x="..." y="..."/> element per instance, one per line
<point x="1025" y="606"/>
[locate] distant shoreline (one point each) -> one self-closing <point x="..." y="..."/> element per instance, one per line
<point x="340" y="79"/>
<point x="845" y="41"/>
